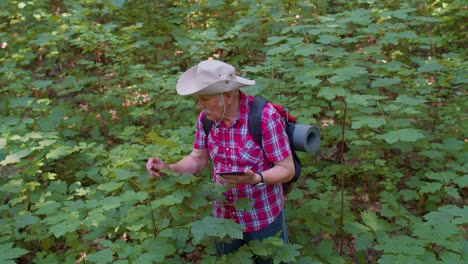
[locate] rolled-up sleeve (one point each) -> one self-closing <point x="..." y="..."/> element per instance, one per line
<point x="200" y="141"/>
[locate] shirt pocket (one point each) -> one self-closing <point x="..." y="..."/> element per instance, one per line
<point x="249" y="154"/>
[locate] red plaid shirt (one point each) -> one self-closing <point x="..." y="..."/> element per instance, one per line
<point x="232" y="148"/>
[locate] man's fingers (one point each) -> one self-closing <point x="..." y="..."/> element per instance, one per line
<point x="153" y="166"/>
<point x="149" y="165"/>
<point x="156" y="175"/>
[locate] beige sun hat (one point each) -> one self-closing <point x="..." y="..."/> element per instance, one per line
<point x="210" y="77"/>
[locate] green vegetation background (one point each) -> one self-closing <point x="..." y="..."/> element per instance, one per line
<point x="88" y="93"/>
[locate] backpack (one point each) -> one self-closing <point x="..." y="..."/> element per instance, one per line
<point x="255" y="116"/>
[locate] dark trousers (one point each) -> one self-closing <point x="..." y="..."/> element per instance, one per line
<point x="271" y="230"/>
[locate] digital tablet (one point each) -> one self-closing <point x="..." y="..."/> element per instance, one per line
<point x="222" y="173"/>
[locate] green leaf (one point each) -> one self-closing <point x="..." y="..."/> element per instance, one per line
<point x="370" y="219"/>
<point x="336" y="52"/>
<point x="460" y="215"/>
<point x="94" y="218"/>
<point x="283" y="48"/>
<point x="186" y="179"/>
<point x="101" y="257"/>
<point x="260" y="247"/>
<point x="215" y="227"/>
<point x="433" y="154"/>
<point x="433" y="218"/>
<point x="443" y="233"/>
<point x="461" y="181"/>
<point x="356" y="228"/>
<point x="47" y="207"/>
<point x="400" y="258"/>
<point x="431" y="187"/>
<point x="13" y="186"/>
<point x="59" y="152"/>
<point x="402" y="13"/>
<point x="442" y="176"/>
<point x="134" y="196"/>
<point x="328" y="39"/>
<point x="110" y="186"/>
<point x="47" y="142"/>
<point x="287" y="253"/>
<point x="364" y="241"/>
<point x="325" y="247"/>
<point x="124" y="174"/>
<point x="3" y="143"/>
<point x="430" y="19"/>
<point x="40" y="84"/>
<point x="42" y="39"/>
<point x="431" y="66"/>
<point x="364" y="99"/>
<point x="450" y="257"/>
<point x="385" y="82"/>
<point x="158" y="249"/>
<point x="405" y="99"/>
<point x="370" y="121"/>
<point x="24" y="219"/>
<point x="244" y="204"/>
<point x="243" y="255"/>
<point x="167" y="200"/>
<point x="71" y="224"/>
<point x="452" y="191"/>
<point x="15" y="157"/>
<point x="117" y="3"/>
<point x="347" y="73"/>
<point x="22" y="101"/>
<point x="307" y="50"/>
<point x="73" y="206"/>
<point x="408" y="195"/>
<point x="453" y="144"/>
<point x="404" y="135"/>
<point x="181" y="194"/>
<point x="403" y="245"/>
<point x="330" y="93"/>
<point x="111" y="202"/>
<point x="9" y="252"/>
<point x="275" y="39"/>
<point x="196" y="201"/>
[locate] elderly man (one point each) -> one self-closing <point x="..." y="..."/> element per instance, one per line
<point x="260" y="169"/>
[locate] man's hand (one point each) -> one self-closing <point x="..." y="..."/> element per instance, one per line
<point x="249" y="177"/>
<point x="155" y="165"/>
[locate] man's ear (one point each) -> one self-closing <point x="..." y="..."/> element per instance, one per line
<point x="228" y="97"/>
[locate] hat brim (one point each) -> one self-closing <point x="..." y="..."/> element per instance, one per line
<point x="186" y="84"/>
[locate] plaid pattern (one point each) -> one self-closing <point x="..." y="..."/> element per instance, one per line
<point x="233" y="149"/>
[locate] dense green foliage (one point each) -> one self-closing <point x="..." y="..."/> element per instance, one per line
<point x="88" y="93"/>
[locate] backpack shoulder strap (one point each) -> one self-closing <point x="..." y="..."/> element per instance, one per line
<point x="255" y="119"/>
<point x="207" y="124"/>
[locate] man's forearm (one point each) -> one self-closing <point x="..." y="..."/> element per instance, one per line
<point x="192" y="164"/>
<point x="282" y="171"/>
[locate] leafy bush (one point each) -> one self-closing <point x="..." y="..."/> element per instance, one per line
<point x="87" y="94"/>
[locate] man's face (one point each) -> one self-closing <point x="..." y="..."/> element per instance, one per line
<point x="211" y="105"/>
